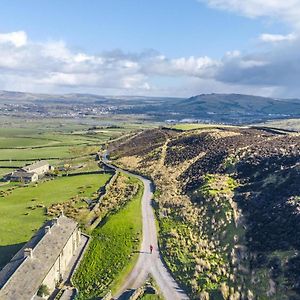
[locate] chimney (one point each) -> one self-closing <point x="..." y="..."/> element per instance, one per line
<point x="47" y="229"/>
<point x="28" y="253"/>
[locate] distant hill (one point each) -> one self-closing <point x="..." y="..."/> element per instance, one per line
<point x="36" y="97"/>
<point x="227" y="108"/>
<point x="11" y="96"/>
<point x="239" y="104"/>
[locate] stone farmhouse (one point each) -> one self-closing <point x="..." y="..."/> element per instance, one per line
<point x="30" y="173"/>
<point x="22" y="176"/>
<point x="44" y="262"/>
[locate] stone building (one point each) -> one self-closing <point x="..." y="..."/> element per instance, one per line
<point x="42" y="262"/>
<point x="30" y="173"/>
<point x="22" y="176"/>
<point x="40" y="168"/>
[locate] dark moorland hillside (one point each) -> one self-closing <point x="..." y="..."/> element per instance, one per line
<point x="228" y="204"/>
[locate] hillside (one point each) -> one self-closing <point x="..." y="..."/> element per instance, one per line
<point x="21" y="97"/>
<point x="220" y="108"/>
<point x="240" y="108"/>
<point x="227" y="108"/>
<point x="227" y="201"/>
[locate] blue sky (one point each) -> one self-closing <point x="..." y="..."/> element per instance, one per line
<point x="153" y="47"/>
<point x="173" y="27"/>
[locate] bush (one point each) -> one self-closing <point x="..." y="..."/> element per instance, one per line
<point x="43" y="291"/>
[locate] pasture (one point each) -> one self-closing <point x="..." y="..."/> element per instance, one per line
<point x="63" y="142"/>
<point x="193" y="126"/>
<point x="60" y="142"/>
<point x="111" y="254"/>
<point x="289" y="124"/>
<point x="22" y="209"/>
<point x="4" y="171"/>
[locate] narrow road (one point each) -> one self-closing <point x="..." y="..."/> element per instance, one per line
<point x="149" y="263"/>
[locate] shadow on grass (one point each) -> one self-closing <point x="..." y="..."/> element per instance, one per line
<point x="8" y="252"/>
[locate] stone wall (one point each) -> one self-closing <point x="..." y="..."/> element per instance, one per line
<point x="57" y="271"/>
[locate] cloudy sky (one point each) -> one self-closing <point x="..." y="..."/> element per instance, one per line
<point x="151" y="47"/>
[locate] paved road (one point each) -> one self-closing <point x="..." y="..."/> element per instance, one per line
<point x="150" y="263"/>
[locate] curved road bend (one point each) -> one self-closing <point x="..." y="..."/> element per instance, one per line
<point x="149" y="263"/>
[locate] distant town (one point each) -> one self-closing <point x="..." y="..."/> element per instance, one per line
<point x="205" y="108"/>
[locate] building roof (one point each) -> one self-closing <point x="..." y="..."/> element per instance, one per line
<point x="29" y="275"/>
<point x="18" y="258"/>
<point x="22" y="174"/>
<point x="34" y="166"/>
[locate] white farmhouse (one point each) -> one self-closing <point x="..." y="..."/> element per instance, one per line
<point x="43" y="261"/>
<point x="31" y="173"/>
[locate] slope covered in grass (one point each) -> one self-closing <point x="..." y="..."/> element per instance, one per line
<point x="111" y="250"/>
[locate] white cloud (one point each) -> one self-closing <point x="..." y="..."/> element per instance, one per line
<point x="277" y="68"/>
<point x="277" y="38"/>
<point x="54" y="67"/>
<point x="194" y="66"/>
<point x="274" y="68"/>
<point x="283" y="10"/>
<point x="17" y="38"/>
<point x="182" y="66"/>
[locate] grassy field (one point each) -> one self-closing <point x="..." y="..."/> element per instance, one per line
<point x="4" y="171"/>
<point x="111" y="252"/>
<point x="22" y="210"/>
<point x="192" y="126"/>
<point x="32" y="154"/>
<point x="13" y="164"/>
<point x="58" y="140"/>
<point x="289" y="124"/>
<point x="72" y="143"/>
<point x="15" y="142"/>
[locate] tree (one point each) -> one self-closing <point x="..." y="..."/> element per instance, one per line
<point x="43" y="291"/>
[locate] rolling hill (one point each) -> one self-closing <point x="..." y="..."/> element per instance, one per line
<point x="230" y="108"/>
<point x="224" y="108"/>
<point x="227" y="201"/>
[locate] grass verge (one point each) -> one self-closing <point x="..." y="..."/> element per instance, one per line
<point x="111" y="254"/>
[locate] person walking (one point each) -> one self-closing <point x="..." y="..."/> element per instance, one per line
<point x="151" y="249"/>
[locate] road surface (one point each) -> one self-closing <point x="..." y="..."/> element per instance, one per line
<point x="149" y="263"/>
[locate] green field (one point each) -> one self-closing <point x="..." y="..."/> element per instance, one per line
<point x="192" y="126"/>
<point x="15" y="142"/>
<point x="4" y="171"/>
<point x="22" y="210"/>
<point x="23" y="141"/>
<point x="10" y="164"/>
<point x="110" y="255"/>
<point x="70" y="146"/>
<point x="289" y="124"/>
<point x="31" y="154"/>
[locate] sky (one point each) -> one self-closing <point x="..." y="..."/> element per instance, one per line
<point x="174" y="48"/>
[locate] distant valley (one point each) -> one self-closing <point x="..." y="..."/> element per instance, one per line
<point x="220" y="108"/>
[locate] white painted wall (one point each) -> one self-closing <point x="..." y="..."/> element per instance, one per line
<point x="62" y="262"/>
